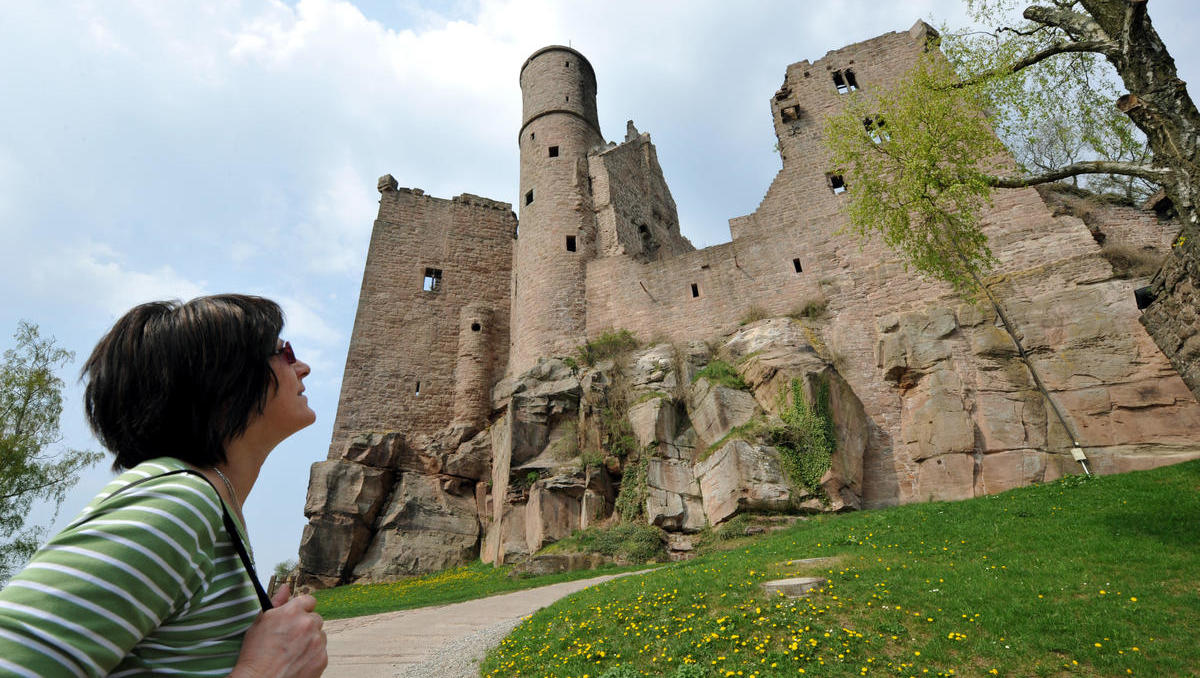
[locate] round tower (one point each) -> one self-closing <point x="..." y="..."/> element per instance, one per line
<point x="557" y="231"/>
<point x="473" y="371"/>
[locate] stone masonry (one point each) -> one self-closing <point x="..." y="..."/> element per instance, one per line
<point x="456" y="426"/>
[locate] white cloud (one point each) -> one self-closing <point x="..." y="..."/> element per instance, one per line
<point x="93" y="275"/>
<point x="163" y="148"/>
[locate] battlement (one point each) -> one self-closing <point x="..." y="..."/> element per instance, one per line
<point x="479" y="201"/>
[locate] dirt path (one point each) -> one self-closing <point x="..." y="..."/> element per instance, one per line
<point x="446" y="641"/>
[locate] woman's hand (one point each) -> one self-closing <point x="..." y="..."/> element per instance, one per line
<point x="284" y="642"/>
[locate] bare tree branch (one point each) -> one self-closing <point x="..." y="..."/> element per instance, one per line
<point x="1155" y="174"/>
<point x="1102" y="47"/>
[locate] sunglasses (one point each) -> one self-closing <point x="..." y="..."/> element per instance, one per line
<point x="286" y="351"/>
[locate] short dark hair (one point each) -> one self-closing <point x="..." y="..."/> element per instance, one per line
<point x="181" y="380"/>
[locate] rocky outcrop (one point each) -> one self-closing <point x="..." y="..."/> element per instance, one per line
<point x="743" y="477"/>
<point x="650" y="435"/>
<point x="430" y="524"/>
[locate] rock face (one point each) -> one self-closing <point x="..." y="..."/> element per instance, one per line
<point x="653" y="431"/>
<point x="567" y="443"/>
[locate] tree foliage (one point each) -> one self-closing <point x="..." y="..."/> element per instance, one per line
<point x="1055" y="111"/>
<point x="30" y="408"/>
<point x="919" y="157"/>
<point x="923" y="156"/>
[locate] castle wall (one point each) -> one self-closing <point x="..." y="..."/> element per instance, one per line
<point x="635" y="213"/>
<point x="1051" y="279"/>
<point x="700" y="293"/>
<point x="808" y="95"/>
<point x="400" y="368"/>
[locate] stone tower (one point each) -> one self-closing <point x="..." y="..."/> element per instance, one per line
<point x="557" y="223"/>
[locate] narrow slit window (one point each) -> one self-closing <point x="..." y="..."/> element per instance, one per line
<point x="418" y="389"/>
<point x="837" y="183"/>
<point x="554" y="151"/>
<point x="570" y="243"/>
<point x="875" y="129"/>
<point x="529" y="197"/>
<point x="844" y="81"/>
<point x="796" y="265"/>
<point x="433" y="279"/>
<point x="568" y="97"/>
<point x="695" y="290"/>
<point x="532" y="136"/>
<point x="568" y="64"/>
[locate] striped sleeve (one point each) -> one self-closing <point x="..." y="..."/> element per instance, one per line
<point x="106" y="582"/>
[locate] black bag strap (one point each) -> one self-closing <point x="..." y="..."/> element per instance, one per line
<point x="263" y="599"/>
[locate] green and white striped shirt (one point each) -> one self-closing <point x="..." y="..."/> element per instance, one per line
<point x="147" y="583"/>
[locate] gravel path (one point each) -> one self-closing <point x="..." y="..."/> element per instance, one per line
<point x="446" y="641"/>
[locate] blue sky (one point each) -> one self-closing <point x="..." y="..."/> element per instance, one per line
<point x="160" y="149"/>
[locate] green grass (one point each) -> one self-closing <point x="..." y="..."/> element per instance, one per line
<point x="1075" y="578"/>
<point x="751" y="431"/>
<point x="722" y="373"/>
<point x="477" y="580"/>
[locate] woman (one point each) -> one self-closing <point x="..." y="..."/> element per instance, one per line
<point x="148" y="580"/>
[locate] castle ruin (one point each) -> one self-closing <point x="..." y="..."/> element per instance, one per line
<point x="451" y="390"/>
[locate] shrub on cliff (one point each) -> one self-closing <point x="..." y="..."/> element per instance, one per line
<point x="806" y="439"/>
<point x="608" y="345"/>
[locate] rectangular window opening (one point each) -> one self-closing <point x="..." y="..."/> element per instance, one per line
<point x="418" y="390"/>
<point x="836" y="183"/>
<point x="433" y="279"/>
<point x="554" y="151"/>
<point x="695" y="290"/>
<point x="796" y="264"/>
<point x="570" y="243"/>
<point x="875" y="129"/>
<point x="844" y="81"/>
<point x="568" y="64"/>
<point x="529" y="197"/>
<point x="790" y="113"/>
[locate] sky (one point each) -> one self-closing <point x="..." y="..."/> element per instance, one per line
<point x="158" y="149"/>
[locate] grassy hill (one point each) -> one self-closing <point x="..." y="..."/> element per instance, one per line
<point x="1080" y="577"/>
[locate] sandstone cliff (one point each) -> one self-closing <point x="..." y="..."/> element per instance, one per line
<point x="659" y="435"/>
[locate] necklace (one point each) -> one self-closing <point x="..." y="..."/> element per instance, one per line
<point x="233" y="495"/>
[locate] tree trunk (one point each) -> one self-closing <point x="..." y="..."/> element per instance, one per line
<point x="1159" y="104"/>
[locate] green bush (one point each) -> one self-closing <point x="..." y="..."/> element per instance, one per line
<point x="631" y="500"/>
<point x="721" y="372"/>
<point x="608" y="345"/>
<point x="635" y="542"/>
<point x="806" y="440"/>
<point x="733" y="528"/>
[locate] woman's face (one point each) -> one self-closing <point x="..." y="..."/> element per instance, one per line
<point x="287" y="410"/>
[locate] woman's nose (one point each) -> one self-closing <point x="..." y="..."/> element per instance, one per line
<point x="302" y="369"/>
